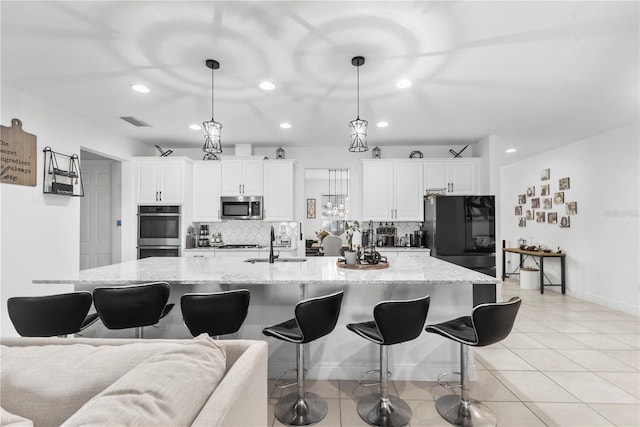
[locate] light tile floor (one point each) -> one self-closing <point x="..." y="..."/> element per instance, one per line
<point x="567" y="362"/>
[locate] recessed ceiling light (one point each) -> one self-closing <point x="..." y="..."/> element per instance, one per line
<point x="140" y="88"/>
<point x="403" y="83"/>
<point x="511" y="150"/>
<point x="267" y="86"/>
<point x="382" y="124"/>
<point x="285" y="125"/>
<point x="195" y="127"/>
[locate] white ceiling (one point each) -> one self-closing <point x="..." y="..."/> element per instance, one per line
<point x="562" y="70"/>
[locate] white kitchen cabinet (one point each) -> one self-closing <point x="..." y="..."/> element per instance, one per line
<point x="242" y="177"/>
<point x="455" y="176"/>
<point x="392" y="190"/>
<point x="160" y="180"/>
<point x="206" y="191"/>
<point x="278" y="190"/>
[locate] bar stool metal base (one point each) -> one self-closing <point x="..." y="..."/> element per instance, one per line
<point x="292" y="411"/>
<point x="473" y="414"/>
<point x="388" y="412"/>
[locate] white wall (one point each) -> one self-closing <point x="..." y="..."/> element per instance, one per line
<point x="39" y="232"/>
<point x="602" y="248"/>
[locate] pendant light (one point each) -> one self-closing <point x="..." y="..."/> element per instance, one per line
<point x="212" y="128"/>
<point x="358" y="126"/>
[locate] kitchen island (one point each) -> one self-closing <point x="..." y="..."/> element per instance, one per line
<point x="276" y="288"/>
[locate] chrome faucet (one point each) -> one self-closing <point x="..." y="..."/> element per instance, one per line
<point x="271" y="239"/>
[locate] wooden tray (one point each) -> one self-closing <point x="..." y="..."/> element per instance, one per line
<point x="379" y="266"/>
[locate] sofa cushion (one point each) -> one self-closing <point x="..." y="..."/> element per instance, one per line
<point x="48" y="383"/>
<point x="169" y="388"/>
<point x="7" y="419"/>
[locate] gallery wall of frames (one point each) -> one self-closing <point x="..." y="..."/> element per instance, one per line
<point x="548" y="201"/>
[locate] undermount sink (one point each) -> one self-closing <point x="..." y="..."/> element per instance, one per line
<point x="254" y="260"/>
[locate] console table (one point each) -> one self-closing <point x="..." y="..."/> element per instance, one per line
<point x="537" y="257"/>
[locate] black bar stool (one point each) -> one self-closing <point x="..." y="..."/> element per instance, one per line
<point x="488" y="324"/>
<point x="394" y="322"/>
<point x="216" y="313"/>
<point x="314" y="318"/>
<point x="134" y="306"/>
<point x="51" y="315"/>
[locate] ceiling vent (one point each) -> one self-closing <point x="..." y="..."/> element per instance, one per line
<point x="135" y="122"/>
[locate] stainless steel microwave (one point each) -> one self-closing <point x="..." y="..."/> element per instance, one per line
<point x="241" y="207"/>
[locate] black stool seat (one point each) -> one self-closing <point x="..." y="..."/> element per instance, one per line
<point x="133" y="306"/>
<point x="216" y="313"/>
<point x="314" y="318"/>
<point x="287" y="331"/>
<point x="394" y="322"/>
<point x="488" y="324"/>
<point x="51" y="315"/>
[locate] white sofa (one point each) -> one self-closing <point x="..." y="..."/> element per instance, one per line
<point x="89" y="381"/>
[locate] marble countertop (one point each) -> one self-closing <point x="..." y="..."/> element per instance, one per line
<point x="413" y="270"/>
<point x="255" y="249"/>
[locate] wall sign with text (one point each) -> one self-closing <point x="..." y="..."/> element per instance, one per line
<point x="18" y="161"/>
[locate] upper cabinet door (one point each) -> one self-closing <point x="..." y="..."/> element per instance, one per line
<point x="464" y="177"/>
<point x="278" y="190"/>
<point x="206" y="191"/>
<point x="436" y="176"/>
<point x="252" y="171"/>
<point x="408" y="184"/>
<point x="147" y="181"/>
<point x="231" y="177"/>
<point x="160" y="181"/>
<point x="378" y="190"/>
<point x="171" y="177"/>
<point x="242" y="177"/>
<point x="452" y="176"/>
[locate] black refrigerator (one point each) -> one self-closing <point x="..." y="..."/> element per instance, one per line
<point x="462" y="230"/>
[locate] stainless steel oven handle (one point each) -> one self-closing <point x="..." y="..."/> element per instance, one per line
<point x="159" y="214"/>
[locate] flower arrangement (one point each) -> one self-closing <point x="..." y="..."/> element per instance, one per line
<point x="321" y="234"/>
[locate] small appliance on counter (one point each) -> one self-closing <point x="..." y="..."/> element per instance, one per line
<point x="203" y="238"/>
<point x="386" y="235"/>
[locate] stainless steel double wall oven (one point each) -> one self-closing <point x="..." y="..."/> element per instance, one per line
<point x="159" y="231"/>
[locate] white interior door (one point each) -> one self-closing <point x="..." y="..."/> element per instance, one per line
<point x="95" y="214"/>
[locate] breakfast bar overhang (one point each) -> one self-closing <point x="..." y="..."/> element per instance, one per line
<point x="276" y="288"/>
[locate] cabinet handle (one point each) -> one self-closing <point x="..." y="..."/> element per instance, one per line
<point x="396" y="214"/>
<point x="156" y="196"/>
<point x="240" y="188"/>
<point x="160" y="196"/>
<point x="391" y="213"/>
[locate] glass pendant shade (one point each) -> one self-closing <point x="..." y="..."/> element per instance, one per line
<point x="212" y="130"/>
<point x="358" y="135"/>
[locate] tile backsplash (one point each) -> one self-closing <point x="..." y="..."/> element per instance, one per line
<point x="253" y="232"/>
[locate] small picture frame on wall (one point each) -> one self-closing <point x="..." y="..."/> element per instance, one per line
<point x="545" y="174"/>
<point x="540" y="216"/>
<point x="311" y="208"/>
<point x="545" y="190"/>
<point x="552" y="218"/>
<point x="565" y="222"/>
<point x="535" y="203"/>
<point x="572" y="208"/>
<point x="564" y="184"/>
<point x="546" y="203"/>
<point x="558" y="198"/>
<point x="522" y="222"/>
<point x="529" y="214"/>
<point x="522" y="199"/>
<point x="531" y="191"/>
<point x="518" y="210"/>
